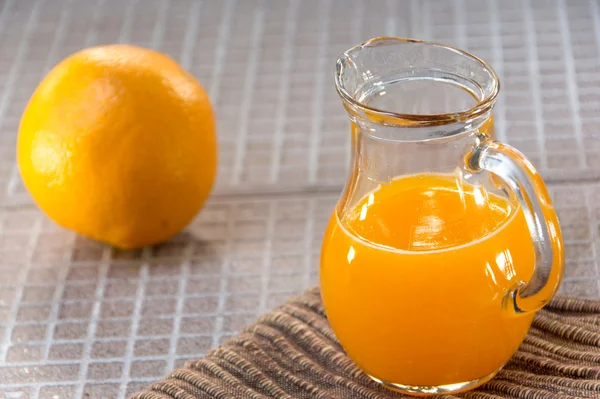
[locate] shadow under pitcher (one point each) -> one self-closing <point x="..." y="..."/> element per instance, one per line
<point x="444" y="242"/>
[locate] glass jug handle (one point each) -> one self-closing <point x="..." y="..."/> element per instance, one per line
<point x="521" y="177"/>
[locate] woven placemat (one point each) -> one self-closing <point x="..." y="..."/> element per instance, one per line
<point x="291" y="352"/>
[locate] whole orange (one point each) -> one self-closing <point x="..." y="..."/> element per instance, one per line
<point x="118" y="143"/>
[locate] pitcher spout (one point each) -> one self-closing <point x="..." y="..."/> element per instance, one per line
<point x="407" y="83"/>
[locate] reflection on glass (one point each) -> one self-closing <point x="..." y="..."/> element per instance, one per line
<point x="505" y="263"/>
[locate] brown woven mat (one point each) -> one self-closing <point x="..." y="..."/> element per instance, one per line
<point x="292" y="353"/>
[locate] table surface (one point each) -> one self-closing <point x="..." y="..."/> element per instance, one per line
<point x="77" y="317"/>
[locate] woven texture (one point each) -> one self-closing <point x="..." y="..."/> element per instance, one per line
<point x="292" y="353"/>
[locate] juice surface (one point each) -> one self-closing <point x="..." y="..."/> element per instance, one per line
<point x="413" y="278"/>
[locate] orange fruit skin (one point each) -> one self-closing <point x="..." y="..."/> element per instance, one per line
<point x="118" y="144"/>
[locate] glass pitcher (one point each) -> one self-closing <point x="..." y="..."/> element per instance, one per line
<point x="444" y="242"/>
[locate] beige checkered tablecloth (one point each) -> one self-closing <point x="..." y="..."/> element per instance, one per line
<point x="79" y="318"/>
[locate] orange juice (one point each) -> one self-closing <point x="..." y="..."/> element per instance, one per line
<point x="413" y="278"/>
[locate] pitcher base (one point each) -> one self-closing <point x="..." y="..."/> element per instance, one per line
<point x="428" y="390"/>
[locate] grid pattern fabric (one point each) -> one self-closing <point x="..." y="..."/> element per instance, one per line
<point x="268" y="67"/>
<point x="79" y="318"/>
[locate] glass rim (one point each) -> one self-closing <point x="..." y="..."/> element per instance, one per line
<point x="483" y="105"/>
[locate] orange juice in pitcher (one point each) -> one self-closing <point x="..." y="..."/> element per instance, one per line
<point x="444" y="242"/>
